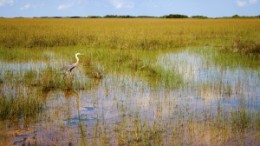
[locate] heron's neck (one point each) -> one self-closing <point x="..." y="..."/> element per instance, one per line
<point x="76" y="56"/>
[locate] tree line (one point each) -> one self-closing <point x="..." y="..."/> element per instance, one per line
<point x="144" y="16"/>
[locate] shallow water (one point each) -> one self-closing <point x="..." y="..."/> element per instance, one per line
<point x="215" y="106"/>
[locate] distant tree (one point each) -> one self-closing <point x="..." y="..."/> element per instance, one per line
<point x="119" y="16"/>
<point x="56" y="17"/>
<point x="127" y="16"/>
<point x="110" y="16"/>
<point x="199" y="17"/>
<point x="94" y="17"/>
<point x="146" y="16"/>
<point x="43" y="17"/>
<point x="236" y="16"/>
<point x="75" y="17"/>
<point x="175" y="16"/>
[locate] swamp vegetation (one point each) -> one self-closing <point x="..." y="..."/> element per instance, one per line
<point x="161" y="82"/>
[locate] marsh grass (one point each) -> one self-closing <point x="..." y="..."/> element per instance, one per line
<point x="158" y="76"/>
<point x="241" y="119"/>
<point x="244" y="46"/>
<point x="125" y="54"/>
<point x="138" y="63"/>
<point x="51" y="78"/>
<point x="42" y="75"/>
<point x="19" y="102"/>
<point x="123" y="46"/>
<point x="130" y="33"/>
<point x="235" y="60"/>
<point x="20" y="107"/>
<point x="137" y="132"/>
<point x="22" y="54"/>
<point x="235" y="119"/>
<point x="227" y="58"/>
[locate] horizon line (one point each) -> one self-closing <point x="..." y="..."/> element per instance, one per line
<point x="136" y="16"/>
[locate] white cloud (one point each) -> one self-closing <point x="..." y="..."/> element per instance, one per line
<point x="64" y="6"/>
<point x="69" y="4"/>
<point x="130" y="5"/>
<point x="242" y="3"/>
<point x="27" y="6"/>
<point x="118" y="4"/>
<point x="6" y="2"/>
<point x="253" y="1"/>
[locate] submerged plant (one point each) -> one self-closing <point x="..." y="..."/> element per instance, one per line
<point x="240" y="119"/>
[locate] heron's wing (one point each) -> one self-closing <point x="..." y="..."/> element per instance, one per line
<point x="67" y="68"/>
<point x="72" y="68"/>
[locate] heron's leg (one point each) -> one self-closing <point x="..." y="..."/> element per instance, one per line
<point x="64" y="79"/>
<point x="70" y="79"/>
<point x="71" y="76"/>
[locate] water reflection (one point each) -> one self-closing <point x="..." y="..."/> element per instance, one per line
<point x="215" y="106"/>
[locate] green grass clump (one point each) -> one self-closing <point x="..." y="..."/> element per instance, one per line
<point x="46" y="78"/>
<point x="160" y="77"/>
<point x="22" y="54"/>
<point x="51" y="78"/>
<point x="240" y="119"/>
<point x="228" y="59"/>
<point x="20" y="107"/>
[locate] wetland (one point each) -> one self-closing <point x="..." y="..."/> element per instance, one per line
<point x="172" y="82"/>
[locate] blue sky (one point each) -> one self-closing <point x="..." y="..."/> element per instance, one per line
<point x="211" y="8"/>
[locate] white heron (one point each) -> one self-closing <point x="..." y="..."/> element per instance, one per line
<point x="68" y="68"/>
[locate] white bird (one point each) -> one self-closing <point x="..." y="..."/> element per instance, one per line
<point x="68" y="68"/>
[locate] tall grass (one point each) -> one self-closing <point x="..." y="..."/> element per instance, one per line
<point x="119" y="49"/>
<point x="149" y="34"/>
<point x="19" y="102"/>
<point x="245" y="46"/>
<point x="128" y="46"/>
<point x="19" y="107"/>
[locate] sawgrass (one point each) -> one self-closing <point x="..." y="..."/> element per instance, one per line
<point x="130" y="47"/>
<point x="149" y="34"/>
<point x="22" y="103"/>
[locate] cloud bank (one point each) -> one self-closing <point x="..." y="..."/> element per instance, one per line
<point x="64" y="6"/>
<point x="242" y="3"/>
<point x="69" y="4"/>
<point x="118" y="4"/>
<point x="26" y="6"/>
<point x="6" y="2"/>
